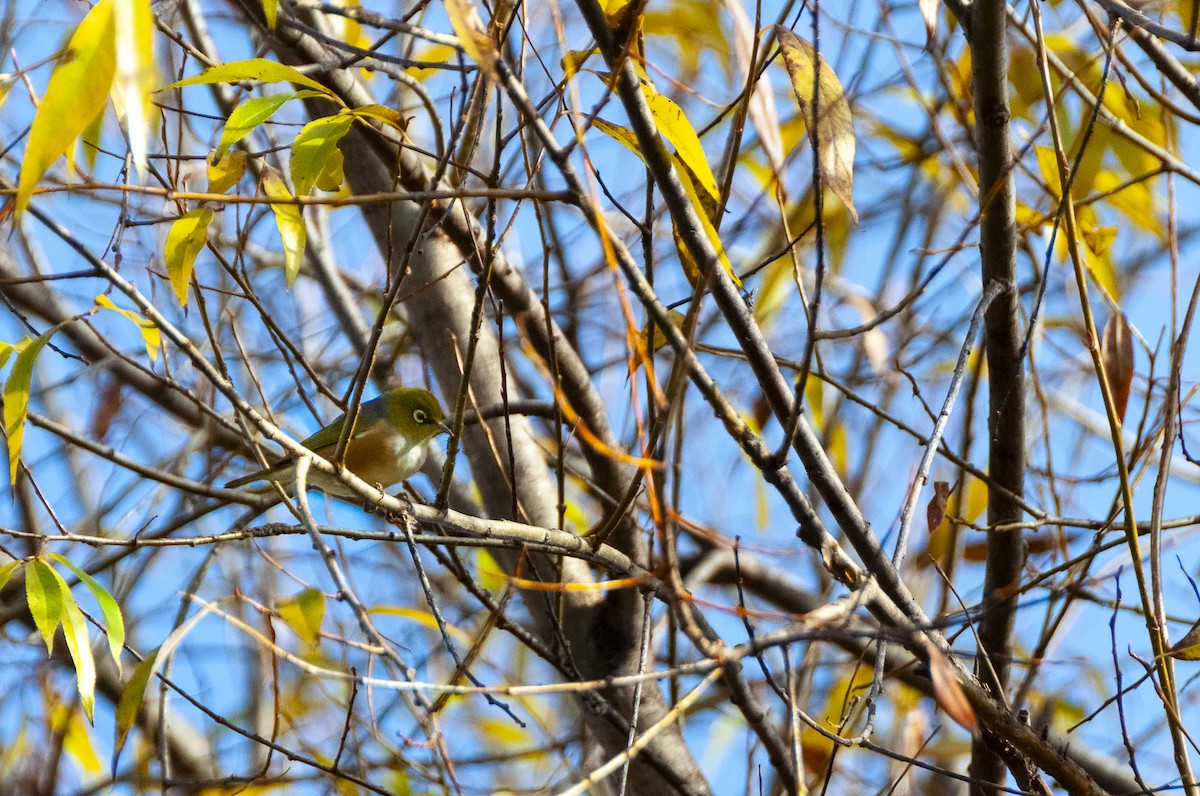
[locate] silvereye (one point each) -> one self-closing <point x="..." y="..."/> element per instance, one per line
<point x="389" y="443"/>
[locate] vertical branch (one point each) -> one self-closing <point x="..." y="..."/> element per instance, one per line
<point x="1006" y="382"/>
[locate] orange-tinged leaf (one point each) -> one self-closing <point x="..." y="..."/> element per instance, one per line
<point x="225" y="170"/>
<point x="472" y="35"/>
<point x="133" y="24"/>
<point x="290" y="221"/>
<point x="1116" y="350"/>
<point x="252" y="69"/>
<point x="948" y="692"/>
<point x="151" y="336"/>
<point x="16" y="397"/>
<point x="831" y="120"/>
<point x="76" y="94"/>
<point x="304" y="614"/>
<point x="316" y="159"/>
<point x="185" y="240"/>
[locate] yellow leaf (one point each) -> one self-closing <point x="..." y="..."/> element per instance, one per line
<point x="472" y="35"/>
<point x="131" y="700"/>
<point x="185" y="240"/>
<point x="114" y="625"/>
<point x="574" y="60"/>
<point x="225" y="170"/>
<point x="270" y="12"/>
<point x="252" y="69"/>
<point x="290" y="221"/>
<point x="381" y="113"/>
<point x="675" y="127"/>
<point x="90" y="138"/>
<point x="702" y="202"/>
<point x="16" y="397"/>
<point x="304" y="614"/>
<point x="75" y="633"/>
<point x="435" y="54"/>
<point x="76" y="740"/>
<point x="421" y="617"/>
<point x="74" y="98"/>
<point x="151" y="336"/>
<point x="133" y="24"/>
<point x="831" y="123"/>
<point x="316" y="159"/>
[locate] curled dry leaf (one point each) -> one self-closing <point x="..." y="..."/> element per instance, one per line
<point x="948" y="692"/>
<point x="1116" y="349"/>
<point x="830" y="124"/>
<point x="929" y="13"/>
<point x="1188" y="647"/>
<point x="935" y="511"/>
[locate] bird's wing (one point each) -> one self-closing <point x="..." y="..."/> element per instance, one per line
<point x="368" y="416"/>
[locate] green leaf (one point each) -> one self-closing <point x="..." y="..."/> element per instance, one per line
<point x="75" y="632"/>
<point x="131" y="699"/>
<point x="253" y="112"/>
<point x="316" y="159"/>
<point x="304" y="614"/>
<point x="252" y="69"/>
<point x="185" y="240"/>
<point x="16" y="397"/>
<point x="114" y="625"/>
<point x="225" y="170"/>
<point x="44" y="596"/>
<point x="290" y="221"/>
<point x="76" y="94"/>
<point x="151" y="336"/>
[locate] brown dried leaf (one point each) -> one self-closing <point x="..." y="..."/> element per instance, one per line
<point x="929" y="13"/>
<point x="935" y="511"/>
<point x="1116" y="349"/>
<point x="1188" y="647"/>
<point x="948" y="692"/>
<point x="832" y="121"/>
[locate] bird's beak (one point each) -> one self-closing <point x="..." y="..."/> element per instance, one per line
<point x="445" y="429"/>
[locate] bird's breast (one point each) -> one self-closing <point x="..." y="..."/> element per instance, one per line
<point x="383" y="456"/>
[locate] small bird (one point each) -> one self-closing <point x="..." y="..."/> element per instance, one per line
<point x="389" y="443"/>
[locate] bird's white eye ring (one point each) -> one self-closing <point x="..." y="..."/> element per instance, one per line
<point x="420" y="416"/>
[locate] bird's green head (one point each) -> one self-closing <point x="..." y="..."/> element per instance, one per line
<point x="415" y="413"/>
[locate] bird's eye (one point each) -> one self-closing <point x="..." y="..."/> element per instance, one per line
<point x="420" y="416"/>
